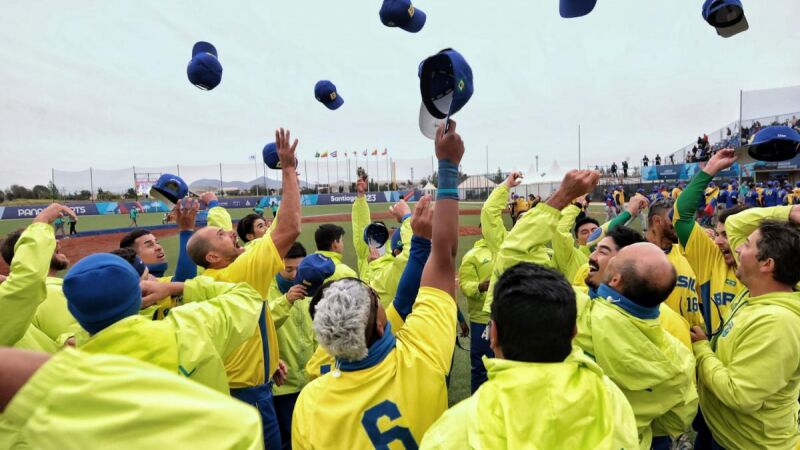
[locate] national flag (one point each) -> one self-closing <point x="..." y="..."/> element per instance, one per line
<point x="317" y="155"/>
<point x="385" y="151"/>
<point x="324" y="155"/>
<point x="365" y="152"/>
<point x="375" y="152"/>
<point x="334" y="154"/>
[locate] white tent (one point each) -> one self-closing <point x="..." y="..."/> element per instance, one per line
<point x="543" y="183"/>
<point x="429" y="189"/>
<point x="474" y="186"/>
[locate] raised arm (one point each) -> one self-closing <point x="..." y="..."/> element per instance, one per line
<point x="24" y="289"/>
<point x="408" y="287"/>
<point x="440" y="271"/>
<point x="739" y="226"/>
<point x="360" y="220"/>
<point x="288" y="228"/>
<point x="218" y="216"/>
<point x="492" y="227"/>
<point x="185" y="215"/>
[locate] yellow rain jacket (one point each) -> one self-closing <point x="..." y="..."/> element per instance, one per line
<point x="571" y="405"/>
<point x="342" y="270"/>
<point x="749" y="374"/>
<point x="25" y="289"/>
<point x="52" y="316"/>
<point x="493" y="228"/>
<point x="386" y="275"/>
<point x="476" y="266"/>
<point x="257" y="266"/>
<point x="295" y="338"/>
<point x="740" y="226"/>
<point x="653" y="369"/>
<point x="194" y="339"/>
<point x="78" y="401"/>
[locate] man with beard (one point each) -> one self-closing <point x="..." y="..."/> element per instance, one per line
<point x="710" y="258"/>
<point x="24" y="289"/>
<point x="251" y="366"/>
<point x="621" y="324"/>
<point x="661" y="232"/>
<point x="749" y="375"/>
<point x="52" y="315"/>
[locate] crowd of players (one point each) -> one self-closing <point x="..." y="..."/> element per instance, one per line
<point x="583" y="335"/>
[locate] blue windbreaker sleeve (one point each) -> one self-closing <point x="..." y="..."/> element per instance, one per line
<point x="408" y="287"/>
<point x="186" y="269"/>
<point x="460" y="315"/>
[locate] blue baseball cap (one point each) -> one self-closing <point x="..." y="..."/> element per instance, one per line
<point x="312" y="272"/>
<point x="376" y="234"/>
<point x="101" y="290"/>
<point x="575" y="8"/>
<point x="774" y="143"/>
<point x="325" y="92"/>
<point x="402" y="14"/>
<point x="727" y="16"/>
<point x="446" y="85"/>
<point x="204" y="69"/>
<point x="640" y="191"/>
<point x="169" y="189"/>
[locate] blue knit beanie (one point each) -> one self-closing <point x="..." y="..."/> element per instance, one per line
<point x="101" y="290"/>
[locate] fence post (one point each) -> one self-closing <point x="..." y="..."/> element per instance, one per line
<point x="221" y="192"/>
<point x="91" y="185"/>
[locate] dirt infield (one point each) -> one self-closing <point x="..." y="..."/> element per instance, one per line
<point x="79" y="247"/>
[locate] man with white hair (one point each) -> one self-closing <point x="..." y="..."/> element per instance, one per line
<point x="387" y="387"/>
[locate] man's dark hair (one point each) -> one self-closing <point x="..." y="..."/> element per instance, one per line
<point x="8" y="244"/>
<point x="624" y="236"/>
<point x="534" y="311"/>
<point x="583" y="221"/>
<point x="126" y="253"/>
<point x="245" y="226"/>
<point x="659" y="206"/>
<point x="296" y="251"/>
<point x="129" y="240"/>
<point x="644" y="288"/>
<point x="723" y="216"/>
<point x="326" y="235"/>
<point x="781" y="242"/>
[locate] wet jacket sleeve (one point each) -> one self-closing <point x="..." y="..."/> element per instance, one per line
<point x="566" y="257"/>
<point x="468" y="276"/>
<point x="686" y="205"/>
<point x="219" y="217"/>
<point x="24" y="289"/>
<point x="492" y="227"/>
<point x="739" y="226"/>
<point x="360" y="219"/>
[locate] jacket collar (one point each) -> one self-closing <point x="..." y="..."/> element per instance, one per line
<point x="377" y="352"/>
<point x="336" y="257"/>
<point x="632" y="308"/>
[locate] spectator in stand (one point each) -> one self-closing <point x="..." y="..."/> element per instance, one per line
<point x="672" y="159"/>
<point x="645" y="161"/>
<point x="613" y="169"/>
<point x="625" y="169"/>
<point x="658" y="159"/>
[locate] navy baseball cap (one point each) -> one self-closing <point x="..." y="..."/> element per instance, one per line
<point x="402" y="14"/>
<point x="169" y="189"/>
<point x="773" y="143"/>
<point x="204" y="69"/>
<point x="727" y="16"/>
<point x="575" y="8"/>
<point x="376" y="234"/>
<point x="312" y="272"/>
<point x="446" y="85"/>
<point x="325" y="92"/>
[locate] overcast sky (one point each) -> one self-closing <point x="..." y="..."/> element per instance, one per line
<point x="103" y="83"/>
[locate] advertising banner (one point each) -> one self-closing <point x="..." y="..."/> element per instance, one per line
<point x="31" y="211"/>
<point x="683" y="172"/>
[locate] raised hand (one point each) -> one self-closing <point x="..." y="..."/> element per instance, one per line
<point x="53" y="212"/>
<point x="514" y="179"/>
<point x="361" y="187"/>
<point x="720" y="161"/>
<point x="286" y="151"/>
<point x="574" y="184"/>
<point x="449" y="145"/>
<point x="207" y="197"/>
<point x="153" y="291"/>
<point x="399" y="210"/>
<point x="185" y="213"/>
<point x="296" y="292"/>
<point x="422" y="223"/>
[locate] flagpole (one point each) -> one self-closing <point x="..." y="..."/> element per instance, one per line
<point x="349" y="178"/>
<point x="366" y="163"/>
<point x="328" y="169"/>
<point x="378" y="168"/>
<point x="388" y="171"/>
<point x="305" y="169"/>
<point x="337" y="173"/>
<point x="317" y="173"/>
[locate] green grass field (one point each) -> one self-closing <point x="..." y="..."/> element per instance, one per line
<point x="460" y="375"/>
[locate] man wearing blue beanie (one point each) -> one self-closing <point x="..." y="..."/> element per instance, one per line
<point x="104" y="295"/>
